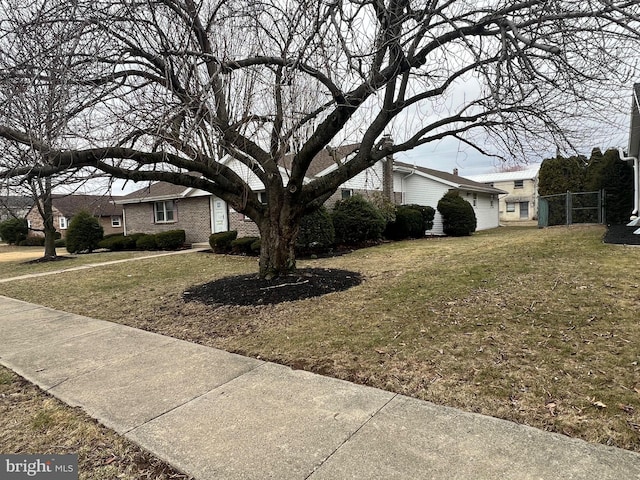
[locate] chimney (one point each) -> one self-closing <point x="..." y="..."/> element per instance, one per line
<point x="455" y="171"/>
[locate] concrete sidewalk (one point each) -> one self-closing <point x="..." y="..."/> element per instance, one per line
<point x="213" y="414"/>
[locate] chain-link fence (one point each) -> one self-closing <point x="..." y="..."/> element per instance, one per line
<point x="572" y="207"/>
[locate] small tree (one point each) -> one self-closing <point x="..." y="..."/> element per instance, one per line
<point x="458" y="217"/>
<point x="357" y="220"/>
<point x="13" y="230"/>
<point x="84" y="233"/>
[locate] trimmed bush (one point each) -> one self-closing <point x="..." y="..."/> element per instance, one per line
<point x="170" y="240"/>
<point x="458" y="217"/>
<point x="356" y="220"/>
<point x="32" y="241"/>
<point x="14" y="230"/>
<point x="408" y="224"/>
<point x="117" y="241"/>
<point x="316" y="232"/>
<point x="146" y="242"/>
<point x="61" y="242"/>
<point x="221" y="242"/>
<point x="428" y="214"/>
<point x="242" y="245"/>
<point x="255" y="247"/>
<point x="84" y="233"/>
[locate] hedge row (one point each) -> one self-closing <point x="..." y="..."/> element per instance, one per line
<point x="169" y="240"/>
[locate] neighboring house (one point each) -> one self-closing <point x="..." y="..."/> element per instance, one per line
<point x="634" y="155"/>
<point x="162" y="206"/>
<point x="66" y="206"/>
<point x="14" y="206"/>
<point x="425" y="186"/>
<point x="520" y="202"/>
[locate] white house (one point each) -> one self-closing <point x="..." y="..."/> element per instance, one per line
<point x="162" y="206"/>
<point x="520" y="200"/>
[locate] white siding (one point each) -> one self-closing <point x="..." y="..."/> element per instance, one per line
<point x="245" y="174"/>
<point x="426" y="191"/>
<point x="370" y="179"/>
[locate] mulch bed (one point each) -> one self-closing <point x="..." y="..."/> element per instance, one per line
<point x="57" y="258"/>
<point x="622" y="235"/>
<point x="250" y="290"/>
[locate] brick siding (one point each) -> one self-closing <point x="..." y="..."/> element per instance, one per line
<point x="193" y="215"/>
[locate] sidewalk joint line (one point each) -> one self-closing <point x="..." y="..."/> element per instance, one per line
<point x="328" y="457"/>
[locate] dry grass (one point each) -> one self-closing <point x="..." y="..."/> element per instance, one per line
<point x="14" y="260"/>
<point x="535" y="326"/>
<point x="33" y="422"/>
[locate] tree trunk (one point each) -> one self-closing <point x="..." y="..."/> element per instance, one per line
<point x="278" y="233"/>
<point x="47" y="219"/>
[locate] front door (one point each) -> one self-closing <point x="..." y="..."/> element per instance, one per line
<point x="524" y="210"/>
<point x="219" y="220"/>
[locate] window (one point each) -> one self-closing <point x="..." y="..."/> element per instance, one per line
<point x="116" y="221"/>
<point x="63" y="222"/>
<point x="518" y="184"/>
<point x="164" y="212"/>
<point x="347" y="194"/>
<point x="511" y="207"/>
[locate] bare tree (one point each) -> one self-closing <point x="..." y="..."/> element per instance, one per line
<point x="40" y="97"/>
<point x="270" y="83"/>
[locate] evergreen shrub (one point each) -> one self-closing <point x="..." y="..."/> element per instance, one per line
<point x="356" y="220"/>
<point x="84" y="233"/>
<point x="458" y="217"/>
<point x="221" y="242"/>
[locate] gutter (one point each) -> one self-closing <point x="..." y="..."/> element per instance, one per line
<point x="636" y="183"/>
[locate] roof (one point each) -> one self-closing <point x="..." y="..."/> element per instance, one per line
<point x="164" y="191"/>
<point x="527" y="174"/>
<point x="455" y="181"/>
<point x="15" y="202"/>
<point x="98" y="205"/>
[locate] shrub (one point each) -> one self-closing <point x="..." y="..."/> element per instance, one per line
<point x="255" y="247"/>
<point x="146" y="242"/>
<point x="32" y="241"/>
<point x="408" y="224"/>
<point x="14" y="230"/>
<point x="61" y="242"/>
<point x="242" y="245"/>
<point x="221" y="242"/>
<point x="84" y="233"/>
<point x="458" y="217"/>
<point x="316" y="232"/>
<point x="117" y="242"/>
<point x="428" y="214"/>
<point x="356" y="220"/>
<point x="170" y="240"/>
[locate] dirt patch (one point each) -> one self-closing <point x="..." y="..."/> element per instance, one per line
<point x="249" y="290"/>
<point x="8" y="255"/>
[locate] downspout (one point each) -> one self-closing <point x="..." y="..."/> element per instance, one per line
<point x="413" y="170"/>
<point x="636" y="182"/>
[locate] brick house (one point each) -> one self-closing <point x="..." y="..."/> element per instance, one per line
<point x="66" y="206"/>
<point x="162" y="206"/>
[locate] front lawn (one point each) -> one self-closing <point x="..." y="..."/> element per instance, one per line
<point x="535" y="326"/>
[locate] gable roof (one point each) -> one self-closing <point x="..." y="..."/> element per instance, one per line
<point x="97" y="205"/>
<point x="454" y="181"/>
<point x="17" y="202"/>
